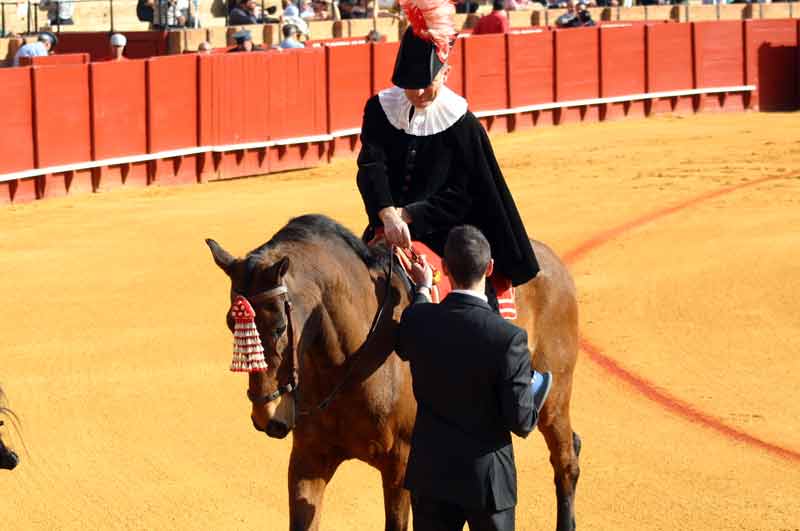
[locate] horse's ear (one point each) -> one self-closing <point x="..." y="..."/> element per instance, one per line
<point x="221" y="257"/>
<point x="282" y="267"/>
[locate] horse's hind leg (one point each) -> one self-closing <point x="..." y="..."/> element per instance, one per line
<point x="565" y="446"/>
<point x="309" y="474"/>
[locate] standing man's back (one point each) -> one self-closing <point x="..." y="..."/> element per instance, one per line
<point x="471" y="373"/>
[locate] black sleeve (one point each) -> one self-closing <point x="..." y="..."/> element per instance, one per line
<point x="516" y="397"/>
<point x="449" y="205"/>
<point x="405" y="329"/>
<point x="373" y="179"/>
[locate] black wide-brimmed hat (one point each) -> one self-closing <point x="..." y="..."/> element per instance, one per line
<point x="426" y="43"/>
<point x="417" y="62"/>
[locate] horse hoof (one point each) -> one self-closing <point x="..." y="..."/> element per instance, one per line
<point x="576" y="444"/>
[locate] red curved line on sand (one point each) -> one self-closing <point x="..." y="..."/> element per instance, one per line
<point x="678" y="406"/>
<point x="642" y="385"/>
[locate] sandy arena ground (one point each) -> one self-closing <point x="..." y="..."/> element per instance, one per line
<point x="114" y="351"/>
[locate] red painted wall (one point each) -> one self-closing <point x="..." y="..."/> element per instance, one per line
<point x="17" y="147"/>
<point x="166" y="103"/>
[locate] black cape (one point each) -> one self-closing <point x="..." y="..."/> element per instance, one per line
<point x="443" y="180"/>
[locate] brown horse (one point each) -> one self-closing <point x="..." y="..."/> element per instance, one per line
<point x="334" y="379"/>
<point x="8" y="459"/>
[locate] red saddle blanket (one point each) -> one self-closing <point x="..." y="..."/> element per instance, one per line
<point x="441" y="284"/>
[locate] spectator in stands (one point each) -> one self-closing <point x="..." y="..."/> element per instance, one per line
<point x="494" y="22"/>
<point x="307" y="10"/>
<point x="145" y="10"/>
<point x="244" y="13"/>
<point x="352" y="9"/>
<point x="172" y="14"/>
<point x="117" y="44"/>
<point x="290" y="9"/>
<point x="290" y="37"/>
<point x="59" y="12"/>
<point x="244" y="42"/>
<point x="519" y="5"/>
<point x="584" y="17"/>
<point x="466" y="6"/>
<point x="570" y="18"/>
<point x="44" y="45"/>
<point x="204" y="47"/>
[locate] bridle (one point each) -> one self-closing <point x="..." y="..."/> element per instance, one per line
<point x="292" y="385"/>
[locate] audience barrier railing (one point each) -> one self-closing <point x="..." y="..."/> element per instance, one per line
<point x="193" y="118"/>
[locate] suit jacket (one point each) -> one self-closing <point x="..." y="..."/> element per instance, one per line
<point x="471" y="374"/>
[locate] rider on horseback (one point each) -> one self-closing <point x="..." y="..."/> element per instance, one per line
<point x="426" y="164"/>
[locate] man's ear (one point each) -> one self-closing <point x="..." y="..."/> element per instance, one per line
<point x="221" y="257"/>
<point x="490" y="268"/>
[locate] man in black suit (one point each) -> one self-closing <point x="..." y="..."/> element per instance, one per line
<point x="471" y="373"/>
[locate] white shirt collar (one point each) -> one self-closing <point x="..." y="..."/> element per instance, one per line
<point x="444" y="111"/>
<point x="472" y="293"/>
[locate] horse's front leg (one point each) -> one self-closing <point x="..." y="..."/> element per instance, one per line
<point x="396" y="499"/>
<point x="309" y="474"/>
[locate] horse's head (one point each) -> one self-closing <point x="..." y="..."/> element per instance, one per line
<point x="263" y="285"/>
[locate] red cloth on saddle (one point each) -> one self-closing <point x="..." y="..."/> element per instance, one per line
<point x="506" y="294"/>
<point x="441" y="284"/>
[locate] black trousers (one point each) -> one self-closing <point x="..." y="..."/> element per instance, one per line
<point x="436" y="515"/>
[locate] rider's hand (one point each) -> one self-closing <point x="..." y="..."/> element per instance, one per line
<point x="395" y="229"/>
<point x="421" y="272"/>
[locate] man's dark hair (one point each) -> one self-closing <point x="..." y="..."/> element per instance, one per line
<point x="467" y="254"/>
<point x="499" y="5"/>
<point x="289" y="30"/>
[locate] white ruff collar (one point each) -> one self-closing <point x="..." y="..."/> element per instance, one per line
<point x="446" y="109"/>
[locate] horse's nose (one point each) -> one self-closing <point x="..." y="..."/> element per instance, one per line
<point x="277" y="429"/>
<point x="8" y="460"/>
<point x="255" y="424"/>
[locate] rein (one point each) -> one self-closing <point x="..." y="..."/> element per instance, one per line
<point x="292" y="386"/>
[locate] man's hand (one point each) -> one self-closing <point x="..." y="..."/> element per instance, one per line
<point x="421" y="272"/>
<point x="395" y="229"/>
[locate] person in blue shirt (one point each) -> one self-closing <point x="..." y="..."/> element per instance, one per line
<point x="43" y="46"/>
<point x="290" y="37"/>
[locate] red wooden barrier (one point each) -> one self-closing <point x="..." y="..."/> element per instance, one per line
<point x="17" y="147"/>
<point x="172" y="96"/>
<point x="577" y="71"/>
<point x="172" y="87"/>
<point x="62" y="127"/>
<point x="771" y="62"/>
<point x="531" y="75"/>
<point x="349" y="86"/>
<point x="670" y="63"/>
<point x="119" y="119"/>
<point x="383" y="55"/>
<point x="119" y="108"/>
<point x="298" y="107"/>
<point x="59" y="59"/>
<point x="622" y="68"/>
<point x="485" y="75"/>
<point x="455" y="79"/>
<point x="719" y="61"/>
<point x="239" y="104"/>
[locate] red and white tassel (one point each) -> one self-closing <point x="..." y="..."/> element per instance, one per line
<point x="248" y="352"/>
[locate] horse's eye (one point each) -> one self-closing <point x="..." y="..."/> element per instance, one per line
<point x="279" y="331"/>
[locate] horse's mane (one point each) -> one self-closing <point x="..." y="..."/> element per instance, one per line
<point x="318" y="226"/>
